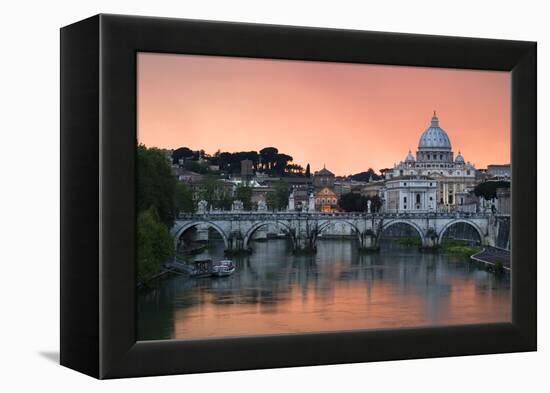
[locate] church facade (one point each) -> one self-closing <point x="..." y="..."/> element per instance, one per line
<point x="435" y="161"/>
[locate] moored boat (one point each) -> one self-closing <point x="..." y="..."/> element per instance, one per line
<point x="223" y="268"/>
<point x="201" y="268"/>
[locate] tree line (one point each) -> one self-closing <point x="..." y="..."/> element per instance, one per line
<point x="159" y="198"/>
<point x="488" y="189"/>
<point x="353" y="202"/>
<point x="268" y="160"/>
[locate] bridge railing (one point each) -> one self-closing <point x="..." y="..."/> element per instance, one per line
<point x="285" y="215"/>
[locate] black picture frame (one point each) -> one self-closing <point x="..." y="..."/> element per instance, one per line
<point x="98" y="140"/>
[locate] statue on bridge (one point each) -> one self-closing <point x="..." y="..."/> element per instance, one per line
<point x="291" y="206"/>
<point x="262" y="206"/>
<point x="237" y="206"/>
<point x="202" y="206"/>
<point x="311" y="203"/>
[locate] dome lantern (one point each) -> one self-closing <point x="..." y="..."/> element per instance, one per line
<point x="435" y="120"/>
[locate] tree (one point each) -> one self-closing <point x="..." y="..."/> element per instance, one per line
<point x="197" y="167"/>
<point x="154" y="244"/>
<point x="488" y="189"/>
<point x="182" y="153"/>
<point x="209" y="189"/>
<point x="308" y="170"/>
<point x="224" y="201"/>
<point x="366" y="176"/>
<point x="352" y="202"/>
<point x="376" y="203"/>
<point x="294" y="170"/>
<point x="244" y="194"/>
<point x="281" y="161"/>
<point x="268" y="156"/>
<point x="155" y="183"/>
<point x="278" y="198"/>
<point x="183" y="199"/>
<point x="271" y="201"/>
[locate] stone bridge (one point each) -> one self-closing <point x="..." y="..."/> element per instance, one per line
<point x="237" y="229"/>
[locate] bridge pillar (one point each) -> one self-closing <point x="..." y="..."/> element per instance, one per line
<point x="304" y="242"/>
<point x="368" y="241"/>
<point x="429" y="242"/>
<point x="235" y="244"/>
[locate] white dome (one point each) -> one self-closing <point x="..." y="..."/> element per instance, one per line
<point x="410" y="157"/>
<point x="434" y="137"/>
<point x="459" y="159"/>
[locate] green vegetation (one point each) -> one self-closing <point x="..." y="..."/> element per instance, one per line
<point x="459" y="247"/>
<point x="278" y="198"/>
<point x="154" y="244"/>
<point x="488" y="189"/>
<point x="409" y="241"/>
<point x="183" y="153"/>
<point x="209" y="190"/>
<point x="367" y="176"/>
<point x="183" y="198"/>
<point x="158" y="198"/>
<point x="155" y="184"/>
<point x="244" y="194"/>
<point x="353" y="202"/>
<point x="498" y="268"/>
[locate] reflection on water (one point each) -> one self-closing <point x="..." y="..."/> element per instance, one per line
<point x="275" y="292"/>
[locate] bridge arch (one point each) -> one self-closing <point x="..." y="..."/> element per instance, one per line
<point x="259" y="225"/>
<point x="458" y="221"/>
<point x="406" y="222"/>
<point x="209" y="224"/>
<point x="327" y="224"/>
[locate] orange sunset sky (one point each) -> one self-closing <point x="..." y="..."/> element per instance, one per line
<point x="350" y="117"/>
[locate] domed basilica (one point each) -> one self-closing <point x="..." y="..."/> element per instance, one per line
<point x="435" y="160"/>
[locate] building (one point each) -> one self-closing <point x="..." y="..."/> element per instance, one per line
<point x="247" y="169"/>
<point x="373" y="188"/>
<point x="326" y="200"/>
<point x="323" y="178"/>
<point x="342" y="187"/>
<point x="467" y="201"/>
<point x="301" y="197"/>
<point x="435" y="159"/>
<point x="259" y="195"/>
<point x="499" y="171"/>
<point x="410" y="194"/>
<point x="188" y="177"/>
<point x="503" y="201"/>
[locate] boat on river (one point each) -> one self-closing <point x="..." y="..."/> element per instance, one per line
<point x="201" y="268"/>
<point x="223" y="268"/>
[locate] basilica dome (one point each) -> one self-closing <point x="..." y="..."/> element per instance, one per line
<point x="434" y="137"/>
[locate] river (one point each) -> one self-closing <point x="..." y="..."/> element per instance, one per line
<point x="276" y="292"/>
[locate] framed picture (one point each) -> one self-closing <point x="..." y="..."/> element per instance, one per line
<point x="240" y="196"/>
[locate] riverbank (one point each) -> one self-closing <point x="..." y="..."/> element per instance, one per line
<point x="459" y="247"/>
<point x="496" y="258"/>
<point x="453" y="247"/>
